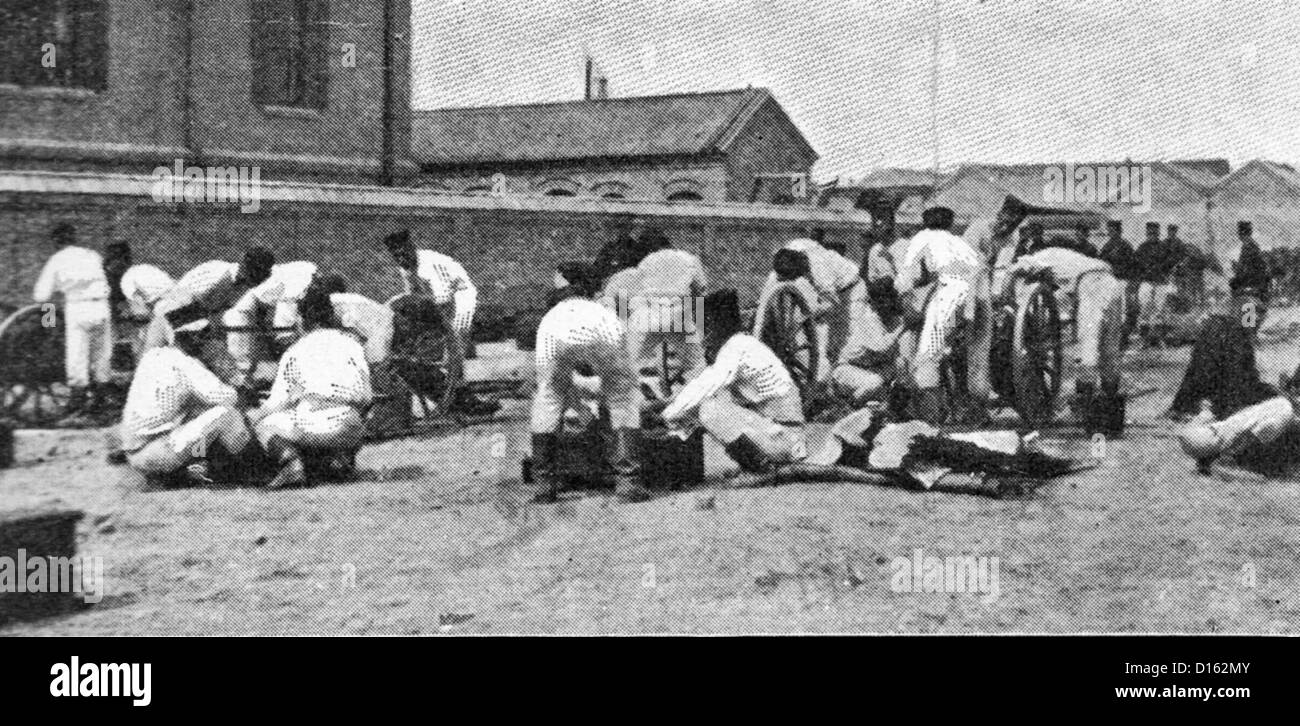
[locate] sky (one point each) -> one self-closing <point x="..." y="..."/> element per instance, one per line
<point x="1018" y="80"/>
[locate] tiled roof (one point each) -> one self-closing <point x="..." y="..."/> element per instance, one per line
<point x="671" y="125"/>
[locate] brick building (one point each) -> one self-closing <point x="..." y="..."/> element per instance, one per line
<point x="298" y="88"/>
<point x="719" y="146"/>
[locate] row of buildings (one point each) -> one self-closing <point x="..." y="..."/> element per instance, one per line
<point x="1205" y="198"/>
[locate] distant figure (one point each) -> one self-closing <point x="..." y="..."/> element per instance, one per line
<point x="1250" y="273"/>
<point x="1156" y="260"/>
<point x="77" y="274"/>
<point x="1222" y="369"/>
<point x="1122" y="258"/>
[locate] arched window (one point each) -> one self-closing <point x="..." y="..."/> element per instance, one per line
<point x="684" y="190"/>
<point x="559" y="187"/>
<point x="611" y="190"/>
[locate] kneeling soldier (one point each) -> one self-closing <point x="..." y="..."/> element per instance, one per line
<point x="580" y="334"/>
<point x="178" y="411"/>
<point x="746" y="398"/>
<point x="319" y="397"/>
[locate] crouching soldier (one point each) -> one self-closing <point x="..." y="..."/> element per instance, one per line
<point x="579" y="335"/>
<point x="745" y="398"/>
<point x="178" y="413"/>
<point x="1100" y="299"/>
<point x="318" y="400"/>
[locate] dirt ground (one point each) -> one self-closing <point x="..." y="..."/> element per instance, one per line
<point x="435" y="538"/>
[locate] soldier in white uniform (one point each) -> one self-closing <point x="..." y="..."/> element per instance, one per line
<point x="935" y="252"/>
<point x="1101" y="317"/>
<point x="279" y="294"/>
<point x="77" y="274"/>
<point x="440" y="276"/>
<point x="143" y="286"/>
<point x="579" y="335"/>
<point x="177" y="411"/>
<point x="1267" y="430"/>
<point x="841" y="303"/>
<point x="319" y="398"/>
<point x="664" y="305"/>
<point x="208" y="291"/>
<point x="745" y="398"/>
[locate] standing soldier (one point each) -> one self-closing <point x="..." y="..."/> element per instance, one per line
<point x="581" y="335"/>
<point x="77" y="274"/>
<point x="937" y="252"/>
<point x="1119" y="254"/>
<point x="670" y="286"/>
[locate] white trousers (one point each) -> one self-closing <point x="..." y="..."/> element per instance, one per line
<point x="313" y="425"/>
<point x="941" y="317"/>
<point x="556" y="390"/>
<point x="87" y="341"/>
<point x="1153" y="299"/>
<point x="1101" y="326"/>
<point x="466" y="302"/>
<point x="172" y="450"/>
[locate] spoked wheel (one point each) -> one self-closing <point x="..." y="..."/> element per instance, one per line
<point x="35" y="404"/>
<point x="786" y="325"/>
<point x="1037" y="355"/>
<point x="32" y="389"/>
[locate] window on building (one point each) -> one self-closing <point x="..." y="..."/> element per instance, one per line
<point x="560" y="193"/>
<point x="289" y="39"/>
<point x="612" y="195"/>
<point x="60" y="43"/>
<point x="685" y="197"/>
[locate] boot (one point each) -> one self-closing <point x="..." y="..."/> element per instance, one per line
<point x="747" y="454"/>
<point x="545" y="473"/>
<point x="291" y="472"/>
<point x="624" y="459"/>
<point x="929" y="406"/>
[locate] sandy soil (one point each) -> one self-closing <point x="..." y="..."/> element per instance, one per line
<point x="434" y="537"/>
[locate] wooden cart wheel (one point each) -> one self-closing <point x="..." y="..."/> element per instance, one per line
<point x="786" y="325"/>
<point x="1037" y="354"/>
<point x="32" y="387"/>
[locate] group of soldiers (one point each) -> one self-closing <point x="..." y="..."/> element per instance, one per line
<point x="190" y="414"/>
<point x="890" y="324"/>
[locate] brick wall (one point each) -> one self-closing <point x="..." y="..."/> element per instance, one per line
<point x="639" y="180"/>
<point x="510" y="254"/>
<point x="768" y="145"/>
